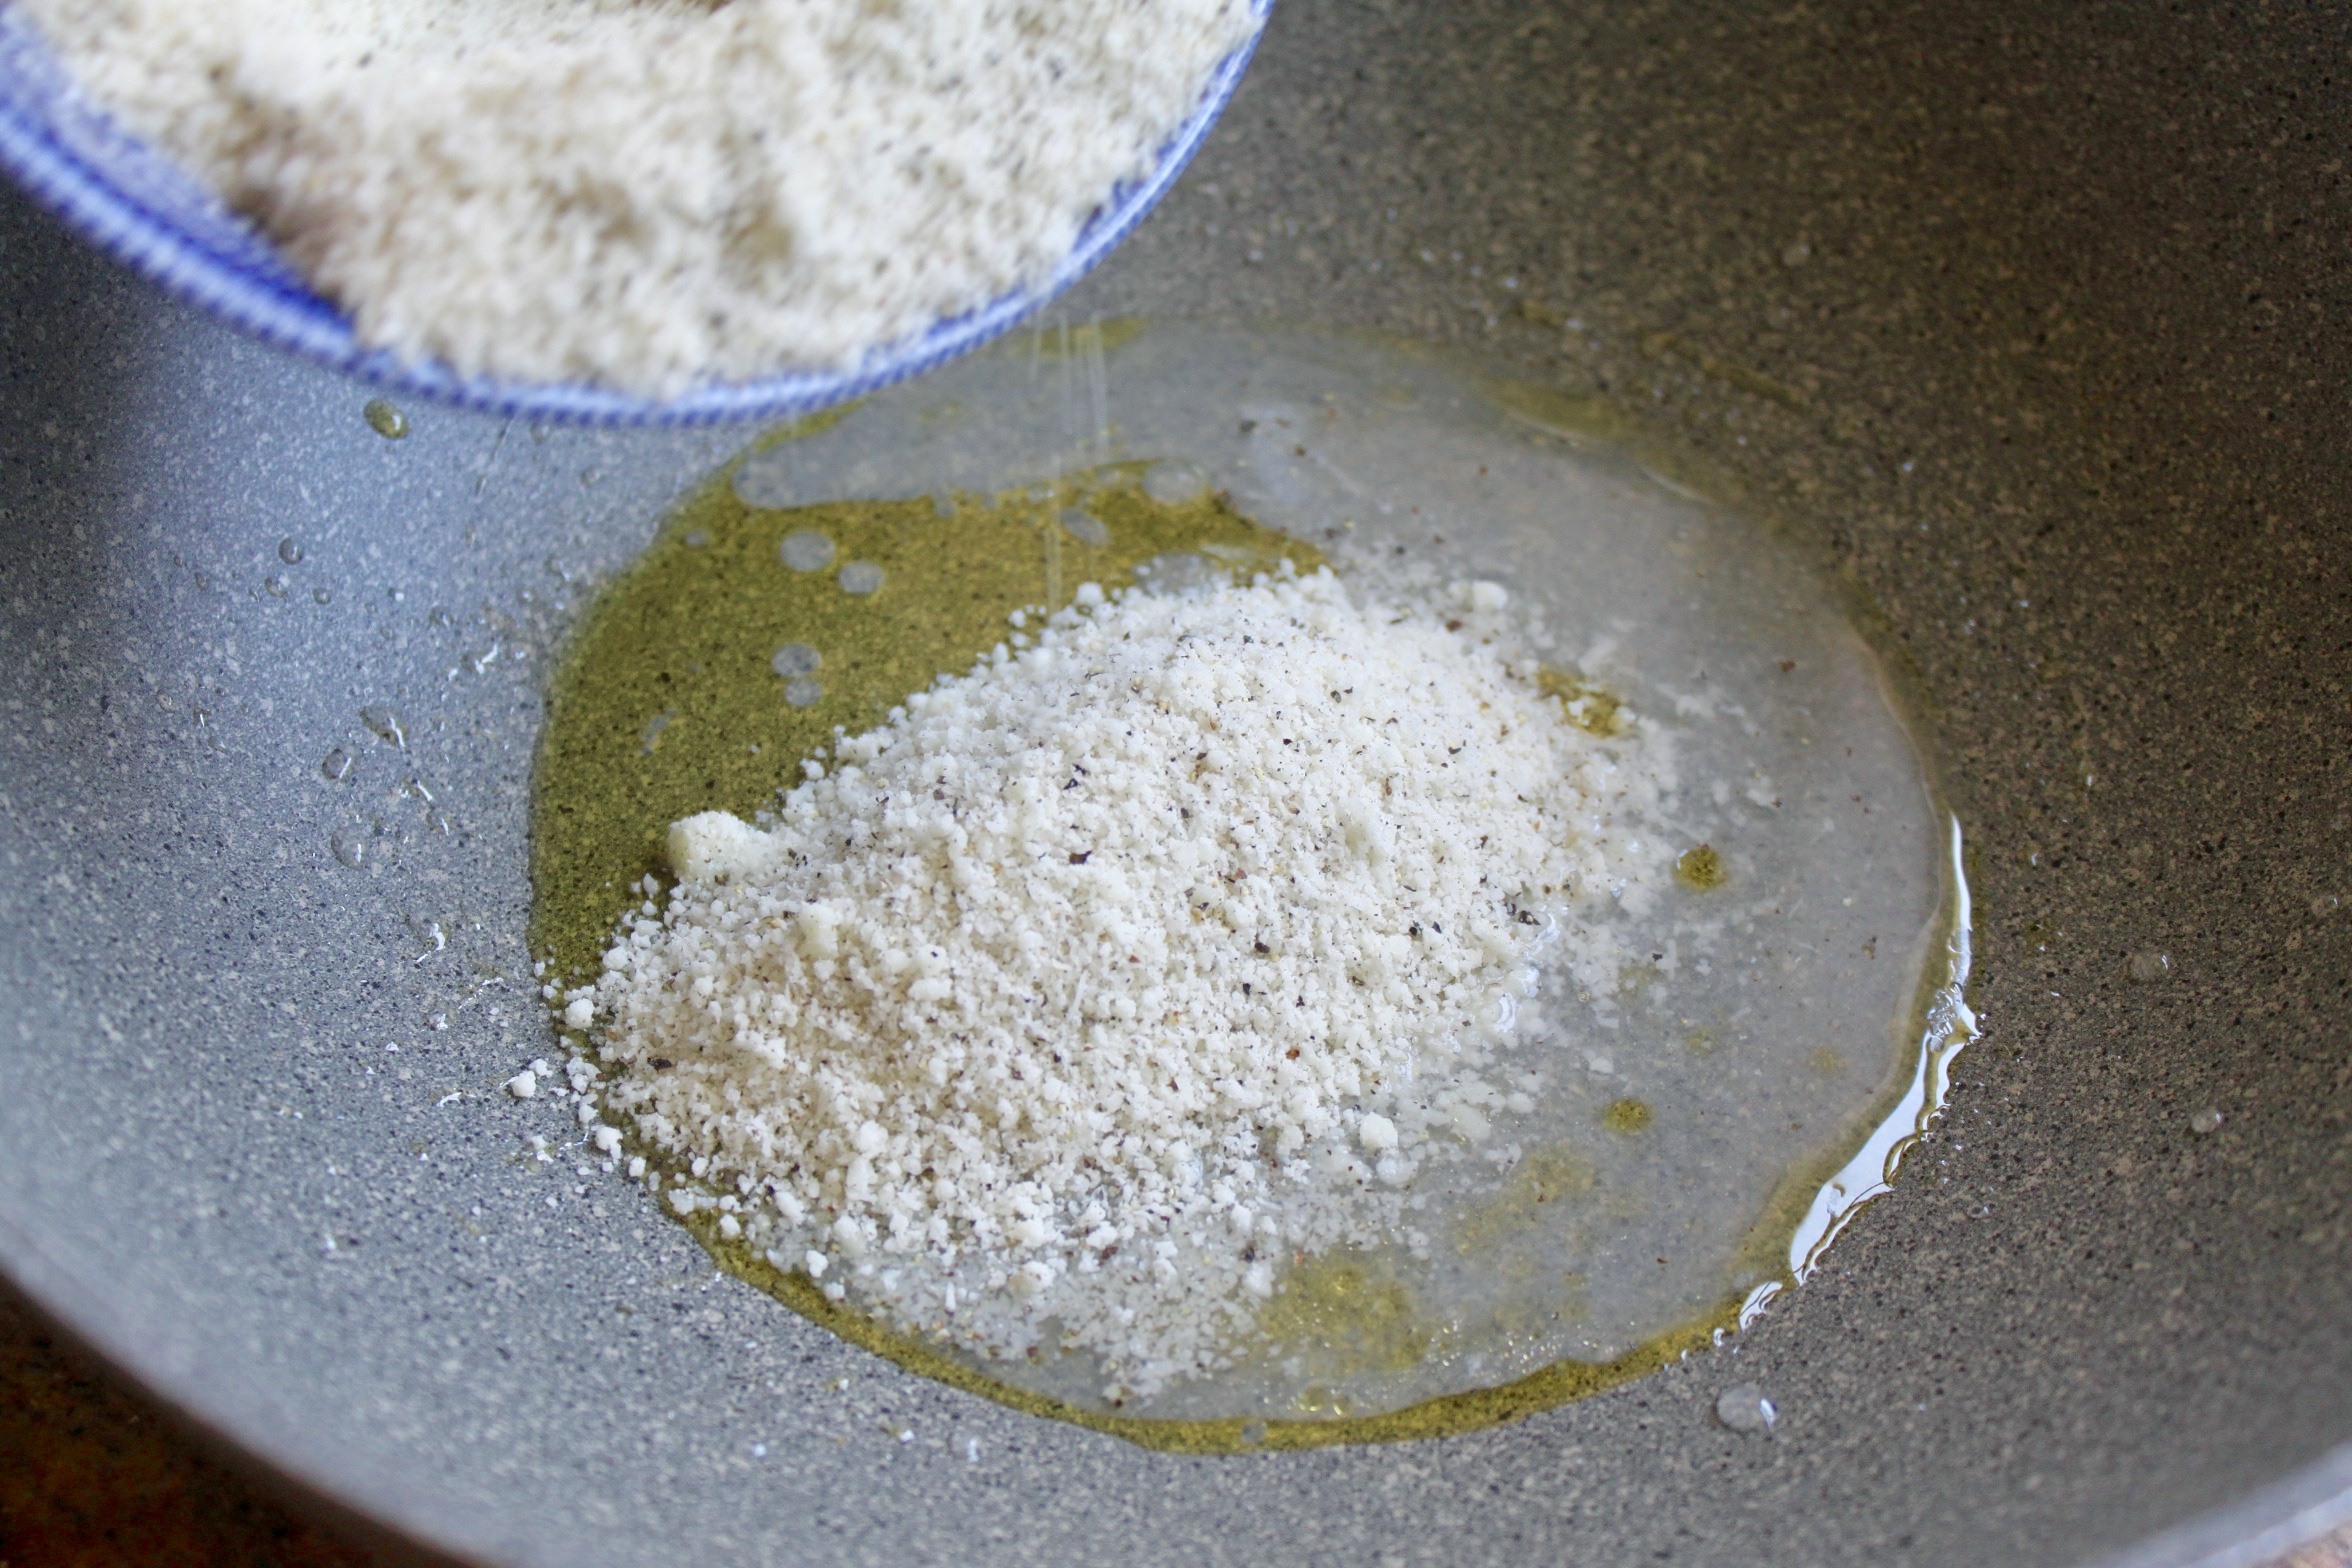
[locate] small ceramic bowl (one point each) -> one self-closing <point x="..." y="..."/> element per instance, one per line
<point x="142" y="209"/>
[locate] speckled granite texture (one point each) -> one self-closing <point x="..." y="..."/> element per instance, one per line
<point x="2031" y="318"/>
<point x="91" y="1477"/>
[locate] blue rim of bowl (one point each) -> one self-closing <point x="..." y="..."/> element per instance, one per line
<point x="138" y="207"/>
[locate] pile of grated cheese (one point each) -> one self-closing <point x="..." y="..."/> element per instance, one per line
<point x="645" y="192"/>
<point x="1102" y="979"/>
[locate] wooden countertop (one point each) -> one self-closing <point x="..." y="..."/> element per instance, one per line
<point x="89" y="1479"/>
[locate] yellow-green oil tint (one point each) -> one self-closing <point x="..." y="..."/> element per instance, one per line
<point x="665" y="703"/>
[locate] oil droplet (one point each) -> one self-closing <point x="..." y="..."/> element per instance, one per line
<point x="2205" y="1121"/>
<point x="1084" y="528"/>
<point x="1626" y="1116"/>
<point x="384" y="419"/>
<point x="699" y="539"/>
<point x="1699" y="867"/>
<point x="385" y="722"/>
<point x="803" y="692"/>
<point x="1587" y="707"/>
<point x="322" y="595"/>
<point x="2148" y="966"/>
<point x="336" y="765"/>
<point x="796" y="658"/>
<point x="276" y="586"/>
<point x="1745" y="1409"/>
<point x="290" y="551"/>
<point x="864" y="577"/>
<point x="806" y="551"/>
<point x="350" y="848"/>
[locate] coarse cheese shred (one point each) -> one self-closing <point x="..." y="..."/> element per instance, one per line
<point x="1102" y="980"/>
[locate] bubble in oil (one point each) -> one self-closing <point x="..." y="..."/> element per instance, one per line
<point x="336" y="765"/>
<point x="861" y="578"/>
<point x="806" y="551"/>
<point x="795" y="658"/>
<point x="803" y="692"/>
<point x="2205" y="1121"/>
<point x="350" y="847"/>
<point x="1085" y="527"/>
<point x="276" y="586"/>
<point x="290" y="551"/>
<point x="2148" y="966"/>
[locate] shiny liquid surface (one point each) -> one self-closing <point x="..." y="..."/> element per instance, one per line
<point x="1760" y="998"/>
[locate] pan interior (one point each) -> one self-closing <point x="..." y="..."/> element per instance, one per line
<point x="1719" y="1031"/>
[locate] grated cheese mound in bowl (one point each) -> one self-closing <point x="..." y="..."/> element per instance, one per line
<point x="1102" y="977"/>
<point x="643" y="194"/>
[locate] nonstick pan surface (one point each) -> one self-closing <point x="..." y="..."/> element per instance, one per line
<point x="2031" y="321"/>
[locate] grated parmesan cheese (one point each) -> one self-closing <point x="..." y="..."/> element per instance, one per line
<point x="1104" y="978"/>
<point x="643" y="192"/>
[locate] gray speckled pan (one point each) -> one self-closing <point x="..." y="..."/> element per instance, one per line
<point x="2035" y="318"/>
